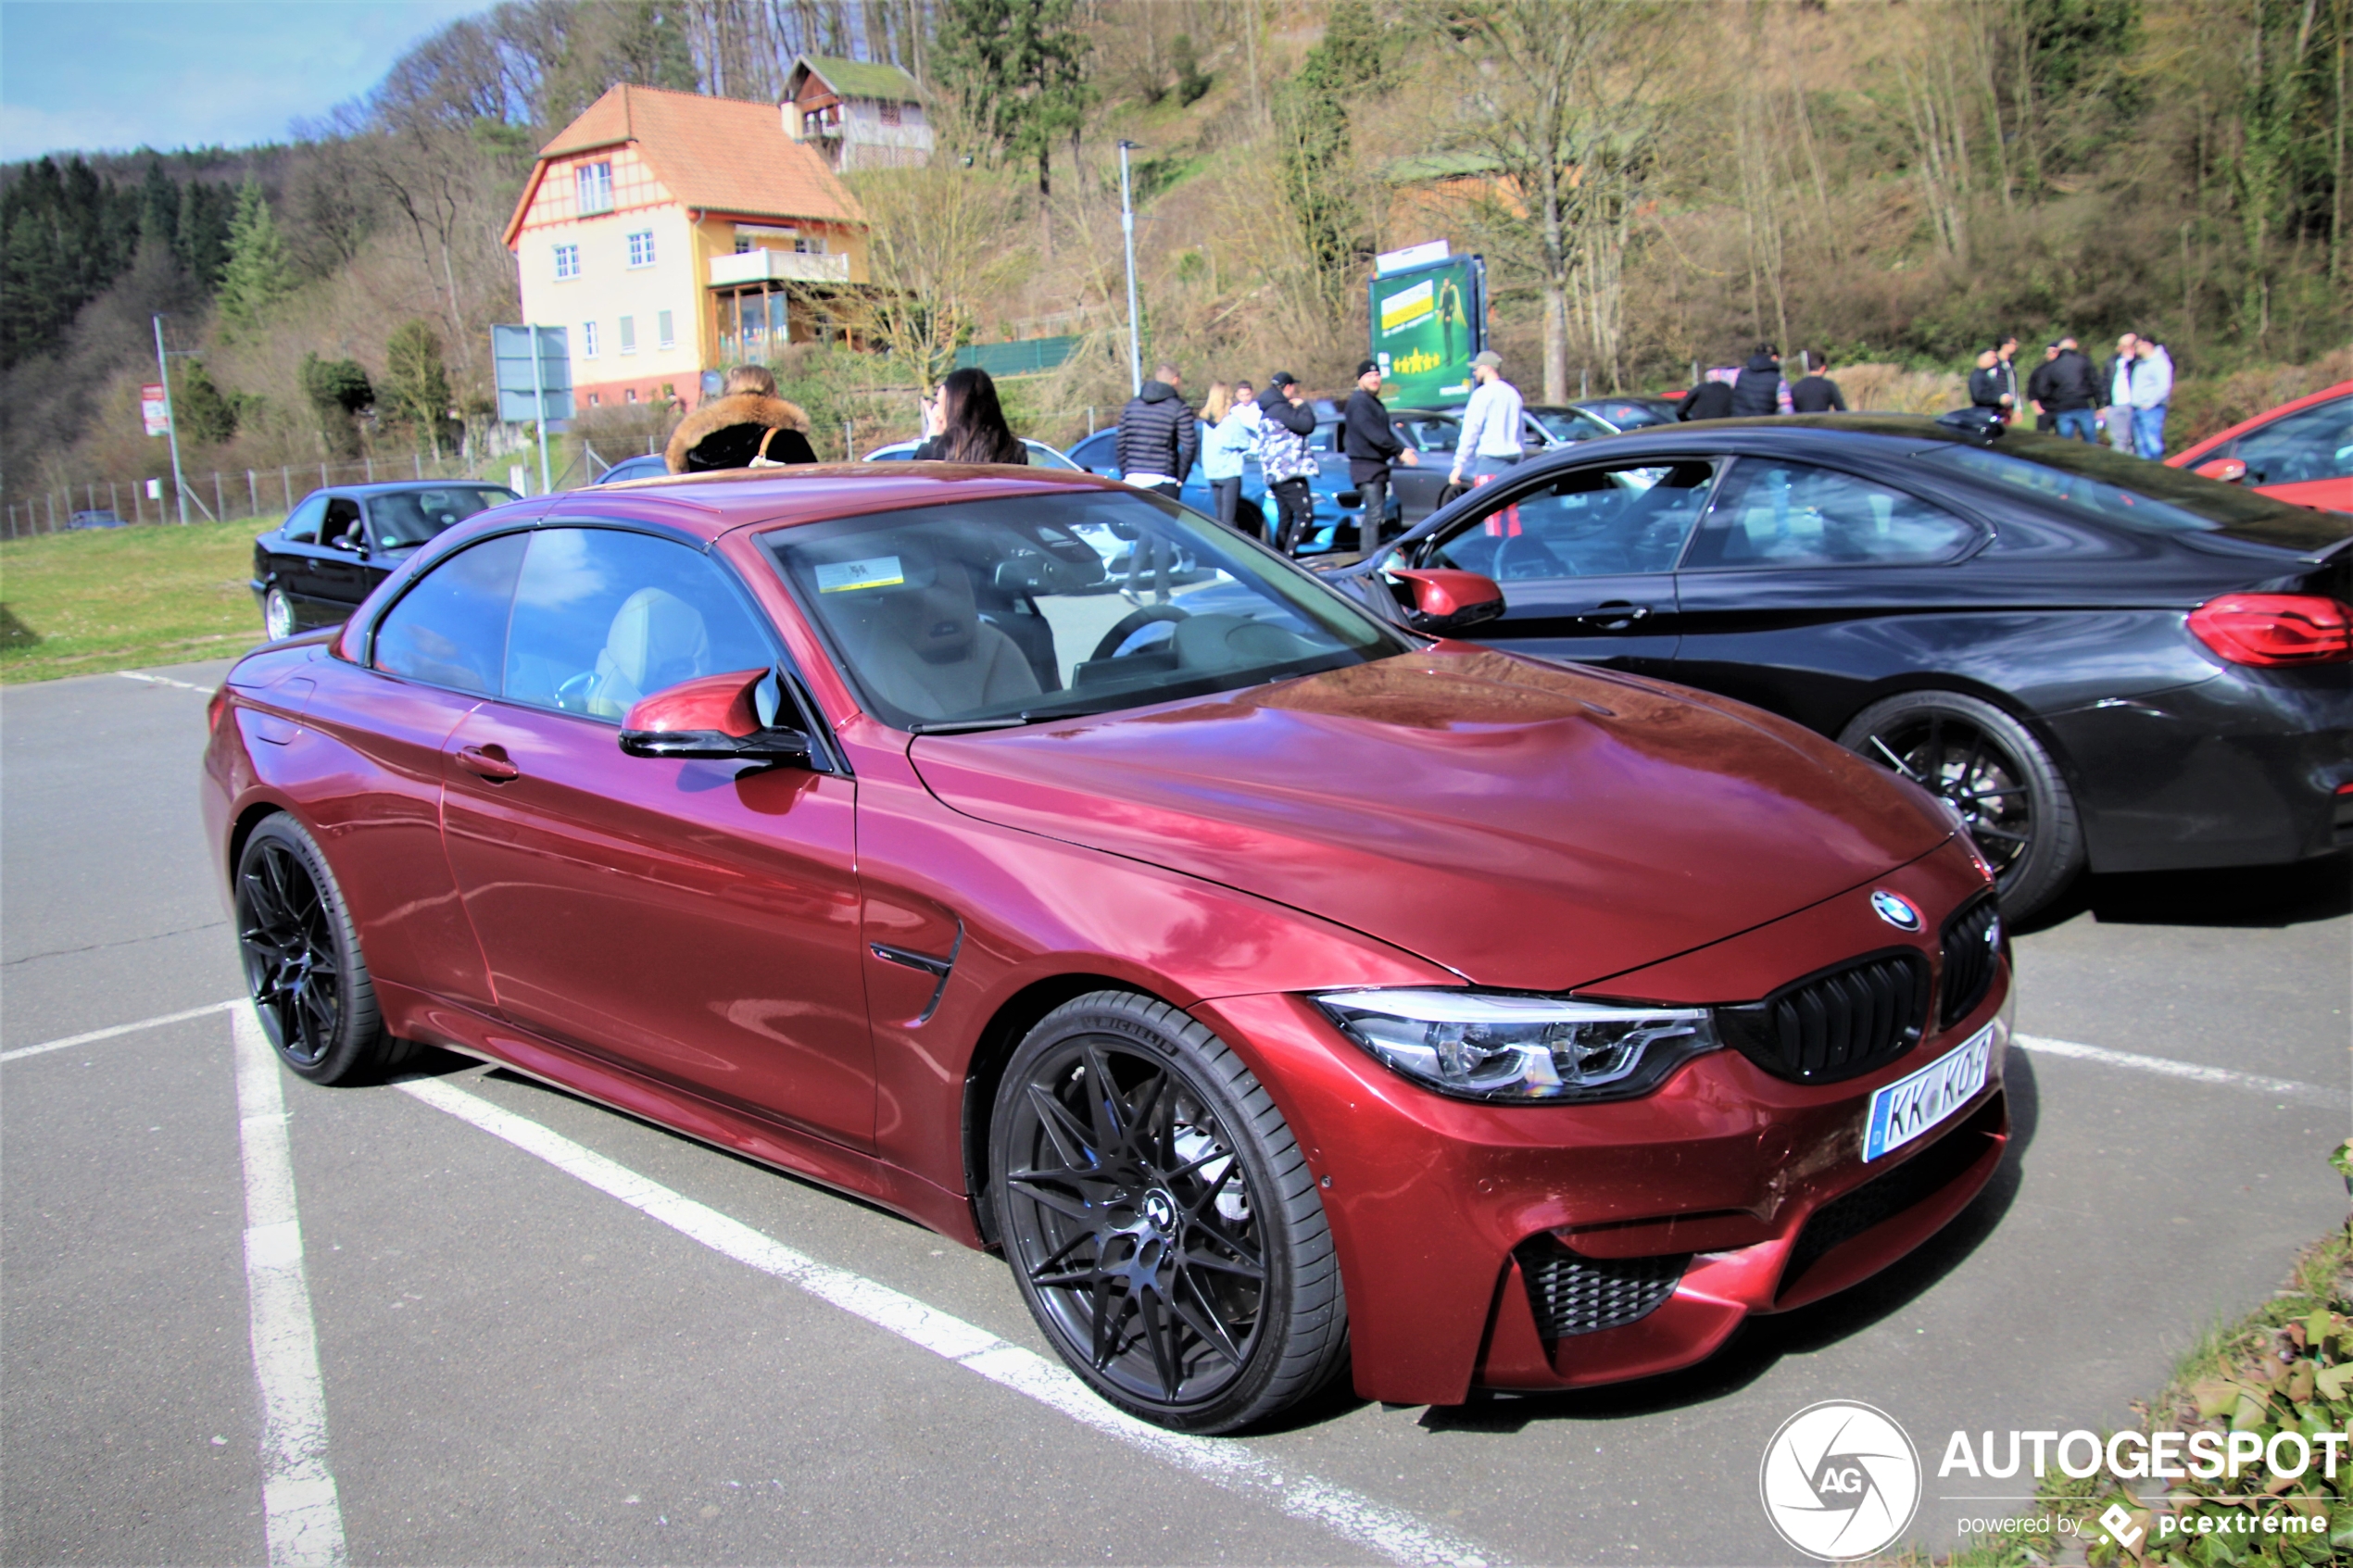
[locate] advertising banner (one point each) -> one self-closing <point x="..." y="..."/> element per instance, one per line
<point x="154" y="409"/>
<point x="1426" y="323"/>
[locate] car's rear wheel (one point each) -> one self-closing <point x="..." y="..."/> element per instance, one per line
<point x="277" y="614"/>
<point x="302" y="961"/>
<point x="1160" y="1218"/>
<point x="1995" y="773"/>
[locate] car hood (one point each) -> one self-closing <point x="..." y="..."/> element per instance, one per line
<point x="1526" y="825"/>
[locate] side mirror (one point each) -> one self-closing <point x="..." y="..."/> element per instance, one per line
<point x="2230" y="470"/>
<point x="1445" y="602"/>
<point x="349" y="543"/>
<point x="730" y="718"/>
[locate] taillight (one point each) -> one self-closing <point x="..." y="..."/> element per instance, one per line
<point x="2274" y="629"/>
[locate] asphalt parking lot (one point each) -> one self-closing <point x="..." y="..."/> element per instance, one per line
<point x="546" y="1333"/>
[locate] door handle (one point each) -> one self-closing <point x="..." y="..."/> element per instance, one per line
<point x="488" y="762"/>
<point x="1613" y="615"/>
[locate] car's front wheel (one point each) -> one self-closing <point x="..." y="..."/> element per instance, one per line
<point x="302" y="961"/>
<point x="1160" y="1218"/>
<point x="1995" y="773"/>
<point x="277" y="614"/>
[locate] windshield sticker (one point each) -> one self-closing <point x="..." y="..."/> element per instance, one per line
<point x="843" y="576"/>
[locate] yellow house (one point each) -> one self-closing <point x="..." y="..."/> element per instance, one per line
<point x="663" y="230"/>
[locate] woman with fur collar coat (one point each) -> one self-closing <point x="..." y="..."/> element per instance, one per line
<point x="749" y="426"/>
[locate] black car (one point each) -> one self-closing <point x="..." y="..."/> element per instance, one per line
<point x="2096" y="660"/>
<point x="1566" y="423"/>
<point x="313" y="569"/>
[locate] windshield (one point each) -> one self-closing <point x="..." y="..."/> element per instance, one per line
<point x="1569" y="424"/>
<point x="2095" y="482"/>
<point x="974" y="614"/>
<point x="411" y="516"/>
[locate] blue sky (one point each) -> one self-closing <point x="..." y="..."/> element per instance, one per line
<point x="110" y="75"/>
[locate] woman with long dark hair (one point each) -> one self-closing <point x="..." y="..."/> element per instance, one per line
<point x="972" y="423"/>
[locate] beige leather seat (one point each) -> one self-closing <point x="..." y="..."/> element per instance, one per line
<point x="925" y="650"/>
<point x="657" y="640"/>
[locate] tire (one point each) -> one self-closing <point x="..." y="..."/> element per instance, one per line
<point x="277" y="615"/>
<point x="1180" y="1262"/>
<point x="1995" y="773"/>
<point x="302" y="961"/>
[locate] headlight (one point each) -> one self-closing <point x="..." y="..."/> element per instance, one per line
<point x="1477" y="1045"/>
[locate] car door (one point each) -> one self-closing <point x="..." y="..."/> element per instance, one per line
<point x="1431" y="438"/>
<point x="2305" y="457"/>
<point x="1585" y="557"/>
<point x="695" y="922"/>
<point x="1807" y="585"/>
<point x="335" y="570"/>
<point x="283" y="558"/>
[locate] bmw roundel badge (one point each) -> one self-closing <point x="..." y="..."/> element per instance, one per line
<point x="1895" y="910"/>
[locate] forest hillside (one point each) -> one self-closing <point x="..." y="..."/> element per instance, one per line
<point x="1655" y="185"/>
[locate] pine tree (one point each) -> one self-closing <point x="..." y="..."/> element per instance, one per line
<point x="159" y="208"/>
<point x="206" y="417"/>
<point x="1019" y="69"/>
<point x="201" y="240"/>
<point x="258" y="273"/>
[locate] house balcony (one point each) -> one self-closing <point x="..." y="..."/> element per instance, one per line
<point x="777" y="267"/>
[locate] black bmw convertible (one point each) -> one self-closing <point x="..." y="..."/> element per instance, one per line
<point x="2098" y="661"/>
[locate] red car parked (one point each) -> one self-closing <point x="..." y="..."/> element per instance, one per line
<point x="2301" y="452"/>
<point x="1271" y="984"/>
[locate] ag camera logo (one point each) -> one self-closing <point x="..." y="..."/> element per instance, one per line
<point x="1839" y="1480"/>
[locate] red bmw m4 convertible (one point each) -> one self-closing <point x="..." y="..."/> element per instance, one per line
<point x="1277" y="989"/>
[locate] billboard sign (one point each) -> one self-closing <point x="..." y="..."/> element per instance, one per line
<point x="532" y="389"/>
<point x="155" y="410"/>
<point x="1426" y="323"/>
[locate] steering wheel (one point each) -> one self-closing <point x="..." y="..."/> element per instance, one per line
<point x="1134" y="621"/>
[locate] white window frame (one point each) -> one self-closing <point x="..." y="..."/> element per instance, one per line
<point x="567" y="263"/>
<point x="587" y="340"/>
<point x="641" y="249"/>
<point x="593" y="184"/>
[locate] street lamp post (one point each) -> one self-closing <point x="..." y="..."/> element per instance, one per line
<point x="1127" y="228"/>
<point x="171" y="422"/>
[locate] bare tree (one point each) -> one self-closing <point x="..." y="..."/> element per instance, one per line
<point x="935" y="250"/>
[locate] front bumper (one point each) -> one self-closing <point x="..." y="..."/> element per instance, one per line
<point x="1649" y="1227"/>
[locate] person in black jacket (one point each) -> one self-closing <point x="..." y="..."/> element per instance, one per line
<point x="1285" y="423"/>
<point x="1708" y="400"/>
<point x="1370" y="444"/>
<point x="2072" y="393"/>
<point x="1818" y="394"/>
<point x="2038" y="388"/>
<point x="972" y="423"/>
<point x="1758" y="388"/>
<point x="1158" y="437"/>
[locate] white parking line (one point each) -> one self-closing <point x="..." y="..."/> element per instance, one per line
<point x="301" y="1517"/>
<point x="164" y="681"/>
<point x="2277" y="1089"/>
<point x="97" y="1035"/>
<point x="1374" y="1527"/>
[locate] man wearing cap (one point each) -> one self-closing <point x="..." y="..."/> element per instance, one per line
<point x="1490" y="442"/>
<point x="1285" y="423"/>
<point x="1369" y="441"/>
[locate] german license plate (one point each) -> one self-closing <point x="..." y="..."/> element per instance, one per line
<point x="1909" y="1107"/>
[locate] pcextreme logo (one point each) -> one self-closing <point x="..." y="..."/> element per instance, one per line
<point x="1839" y="1480"/>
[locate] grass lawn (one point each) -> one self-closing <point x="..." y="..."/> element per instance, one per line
<point x="83" y="604"/>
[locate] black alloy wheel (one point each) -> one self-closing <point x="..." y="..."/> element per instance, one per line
<point x="1160" y="1219"/>
<point x="1995" y="773"/>
<point x="302" y="961"/>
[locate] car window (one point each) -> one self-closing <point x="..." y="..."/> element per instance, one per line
<point x="1044" y="457"/>
<point x="603" y="618"/>
<point x="411" y="516"/>
<point x="342" y="520"/>
<point x="1593" y="522"/>
<point x="1084" y="601"/>
<point x="2314" y="442"/>
<point x="450" y="628"/>
<point x="302" y="524"/>
<point x="1327" y="437"/>
<point x="1772" y="512"/>
<point x="1567" y="424"/>
<point x="1431" y="432"/>
<point x="1098" y="453"/>
<point x="2092" y="482"/>
<point x="1630" y="414"/>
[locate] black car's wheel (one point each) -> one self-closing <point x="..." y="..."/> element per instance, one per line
<point x="1160" y="1218"/>
<point x="1995" y="772"/>
<point x="277" y="614"/>
<point x="302" y="959"/>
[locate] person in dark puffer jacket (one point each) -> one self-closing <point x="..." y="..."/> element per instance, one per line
<point x="1758" y="389"/>
<point x="1158" y="437"/>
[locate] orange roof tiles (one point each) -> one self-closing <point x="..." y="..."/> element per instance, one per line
<point x="720" y="155"/>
